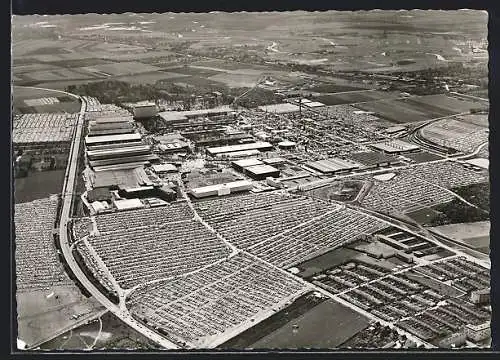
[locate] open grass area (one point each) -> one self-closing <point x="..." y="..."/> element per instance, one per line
<point x="474" y="234"/>
<point x="50" y="320"/>
<point x="194" y="71"/>
<point x="333" y="88"/>
<point x="355" y="97"/>
<point x="121" y="68"/>
<point x="445" y="103"/>
<point x="38" y="185"/>
<point x="326" y="326"/>
<point x="300" y="306"/>
<point x="326" y="261"/>
<point x="423" y="156"/>
<point x="457" y="211"/>
<point x="423" y="216"/>
<point x="114" y="335"/>
<point x="414" y="109"/>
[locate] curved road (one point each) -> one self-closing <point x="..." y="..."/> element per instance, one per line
<point x="67" y="199"/>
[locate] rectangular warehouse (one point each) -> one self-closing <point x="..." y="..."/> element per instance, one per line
<point x="374" y="159"/>
<point x="260" y="172"/>
<point x="239" y="154"/>
<point x="124" y="151"/>
<point x="221" y="189"/>
<point x="333" y="165"/>
<point x="240" y="165"/>
<point x="110" y="139"/>
<point x="262" y="146"/>
<point x="395" y="147"/>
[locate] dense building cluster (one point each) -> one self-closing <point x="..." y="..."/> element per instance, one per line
<point x="37" y="264"/>
<point x="217" y="303"/>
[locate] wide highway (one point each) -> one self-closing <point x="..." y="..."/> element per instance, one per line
<point x="65" y="216"/>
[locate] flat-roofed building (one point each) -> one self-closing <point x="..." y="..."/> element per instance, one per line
<point x="221" y="189"/>
<point x="274" y="161"/>
<point x="280" y="108"/>
<point x="164" y="168"/>
<point x="128" y="204"/>
<point x="454" y="340"/>
<point x="144" y="110"/>
<point x="287" y="145"/>
<point x="238" y="154"/>
<point x="478" y="332"/>
<point x="333" y="165"/>
<point x="240" y="165"/>
<point x="374" y="159"/>
<point x="109" y="128"/>
<point x="262" y="146"/>
<point x="122" y="160"/>
<point x="261" y="172"/>
<point x="395" y="129"/>
<point x="124" y="178"/>
<point x="173" y="147"/>
<point x="111" y="139"/>
<point x="112" y="119"/>
<point x="176" y="117"/>
<point x="119" y="152"/>
<point x="481" y="296"/>
<point x="395" y="146"/>
<point x="314" y="104"/>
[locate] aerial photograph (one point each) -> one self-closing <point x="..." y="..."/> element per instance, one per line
<point x="251" y="181"/>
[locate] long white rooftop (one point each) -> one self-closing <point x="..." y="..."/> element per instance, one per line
<point x="89" y="140"/>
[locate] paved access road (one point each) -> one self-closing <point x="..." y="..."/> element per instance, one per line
<point x="67" y="199"/>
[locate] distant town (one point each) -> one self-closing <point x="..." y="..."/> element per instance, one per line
<point x="190" y="181"/>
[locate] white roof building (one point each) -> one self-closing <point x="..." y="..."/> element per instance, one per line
<point x="128" y="204"/>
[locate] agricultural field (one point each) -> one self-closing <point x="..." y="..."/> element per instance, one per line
<point x="59" y="74"/>
<point x="409" y="109"/>
<point x="236" y="80"/>
<point x="121" y="68"/>
<point x="356" y="97"/>
<point x="28" y="101"/>
<point x="195" y="71"/>
<point x="445" y="103"/>
<point x="21" y="94"/>
<point x="333" y="88"/>
<point x="150" y="78"/>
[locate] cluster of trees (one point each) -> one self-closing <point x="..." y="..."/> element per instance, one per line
<point x="457" y="211"/>
<point x="112" y="91"/>
<point x="256" y="97"/>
